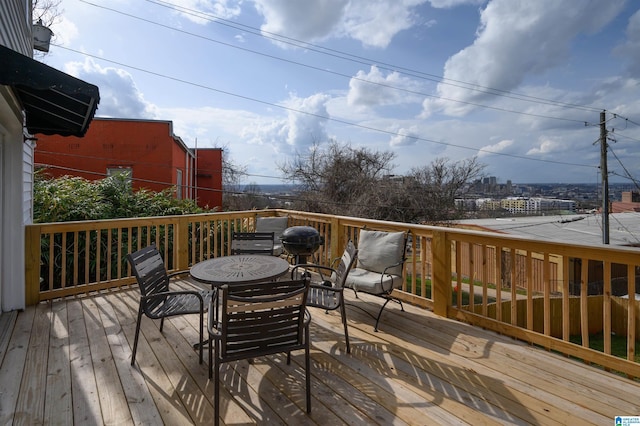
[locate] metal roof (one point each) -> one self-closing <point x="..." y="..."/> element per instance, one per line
<point x="624" y="228"/>
<point x="54" y="102"/>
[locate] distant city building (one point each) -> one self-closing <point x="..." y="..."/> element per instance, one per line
<point x="630" y="203"/>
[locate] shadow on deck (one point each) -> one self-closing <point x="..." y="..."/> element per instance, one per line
<point x="67" y="362"/>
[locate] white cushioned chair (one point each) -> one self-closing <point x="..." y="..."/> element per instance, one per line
<point x="277" y="225"/>
<point x="381" y="257"/>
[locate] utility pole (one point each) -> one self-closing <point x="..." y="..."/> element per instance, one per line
<point x="605" y="178"/>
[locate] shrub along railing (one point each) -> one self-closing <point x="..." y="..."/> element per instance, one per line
<point x="563" y="297"/>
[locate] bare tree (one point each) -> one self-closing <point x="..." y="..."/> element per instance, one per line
<point x="437" y="185"/>
<point x="47" y="11"/>
<point x="232" y="174"/>
<point x="337" y="178"/>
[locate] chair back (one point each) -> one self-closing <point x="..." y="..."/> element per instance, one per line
<point x="252" y="243"/>
<point x="382" y="252"/>
<point x="346" y="262"/>
<point x="151" y="274"/>
<point x="262" y="318"/>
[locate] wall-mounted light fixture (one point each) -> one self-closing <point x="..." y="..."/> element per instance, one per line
<point x="41" y="37"/>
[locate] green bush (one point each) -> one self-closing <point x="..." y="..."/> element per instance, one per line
<point x="71" y="198"/>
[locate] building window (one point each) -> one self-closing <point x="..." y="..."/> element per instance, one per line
<point x="125" y="172"/>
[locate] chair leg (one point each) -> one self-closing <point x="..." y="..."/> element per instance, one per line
<point x="161" y="324"/>
<point x="216" y="386"/>
<point x="201" y="332"/>
<point x="343" y="314"/>
<point x="211" y="343"/>
<point x="387" y="300"/>
<point x="307" y="363"/>
<point x="380" y="313"/>
<point x="135" y="339"/>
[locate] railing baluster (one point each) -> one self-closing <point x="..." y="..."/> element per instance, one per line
<point x="584" y="302"/>
<point x="529" y="287"/>
<point x="511" y="264"/>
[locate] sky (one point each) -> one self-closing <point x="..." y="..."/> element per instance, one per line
<point x="519" y="84"/>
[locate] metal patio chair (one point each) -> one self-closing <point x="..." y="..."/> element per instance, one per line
<point x="255" y="320"/>
<point x="157" y="301"/>
<point x="328" y="293"/>
<point x="252" y="243"/>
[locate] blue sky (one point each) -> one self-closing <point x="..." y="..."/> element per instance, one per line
<point x="510" y="81"/>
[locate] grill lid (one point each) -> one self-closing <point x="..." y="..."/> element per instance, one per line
<point x="301" y="239"/>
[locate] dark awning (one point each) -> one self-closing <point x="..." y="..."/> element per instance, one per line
<point x="55" y="103"/>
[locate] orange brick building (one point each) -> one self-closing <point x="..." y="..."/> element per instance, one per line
<point x="147" y="149"/>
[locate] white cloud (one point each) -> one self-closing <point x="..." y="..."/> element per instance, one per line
<point x="500" y="147"/>
<point x="515" y="39"/>
<point x="405" y="137"/>
<point x="372" y="22"/>
<point x="631" y="48"/>
<point x="304" y="20"/>
<point x="119" y="95"/>
<point x="446" y="4"/>
<point x="201" y="11"/>
<point x="298" y="130"/>
<point x="546" y="145"/>
<point x="382" y="89"/>
<point x="64" y="31"/>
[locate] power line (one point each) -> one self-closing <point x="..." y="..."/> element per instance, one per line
<point x="350" y="77"/>
<point x="324" y="117"/>
<point x="366" y="61"/>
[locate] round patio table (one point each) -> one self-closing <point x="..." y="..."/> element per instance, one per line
<point x="240" y="268"/>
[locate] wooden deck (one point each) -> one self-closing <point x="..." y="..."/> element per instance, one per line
<point x="67" y="362"/>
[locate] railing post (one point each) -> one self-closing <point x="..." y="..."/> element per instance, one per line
<point x="182" y="242"/>
<point x="32" y="264"/>
<point x="441" y="279"/>
<point x="338" y="242"/>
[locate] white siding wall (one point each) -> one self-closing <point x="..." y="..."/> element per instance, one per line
<point x="16" y="161"/>
<point x="15" y="25"/>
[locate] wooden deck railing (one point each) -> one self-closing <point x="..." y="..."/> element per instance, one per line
<point x="558" y="296"/>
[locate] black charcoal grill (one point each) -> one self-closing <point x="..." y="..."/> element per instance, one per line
<point x="301" y="241"/>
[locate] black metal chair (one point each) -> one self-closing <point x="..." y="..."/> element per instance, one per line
<point x="252" y="243"/>
<point x="328" y="293"/>
<point x="157" y="301"/>
<point x="381" y="257"/>
<point x="256" y="320"/>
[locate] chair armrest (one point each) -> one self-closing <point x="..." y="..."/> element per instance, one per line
<point x="212" y="324"/>
<point x="320" y="268"/>
<point x="327" y="288"/>
<point x="173" y="293"/>
<point x="384" y="272"/>
<point x="175" y="273"/>
<point x="392" y="266"/>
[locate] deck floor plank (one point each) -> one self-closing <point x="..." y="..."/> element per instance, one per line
<point x="7" y="322"/>
<point x="30" y="406"/>
<point x="58" y="403"/>
<point x="13" y="365"/>
<point x="113" y="403"/>
<point x="60" y="358"/>
<point x="499" y="374"/>
<point x="139" y="399"/>
<point x="166" y="397"/>
<point x="412" y="385"/>
<point x="554" y="383"/>
<point x="84" y="390"/>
